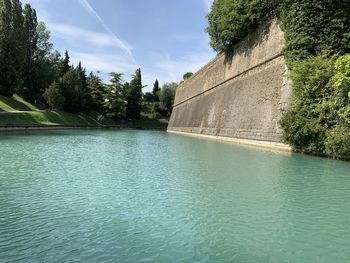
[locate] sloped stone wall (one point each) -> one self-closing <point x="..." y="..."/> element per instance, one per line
<point x="241" y="95"/>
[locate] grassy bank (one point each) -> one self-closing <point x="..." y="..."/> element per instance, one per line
<point x="46" y="118"/>
<point x="15" y="112"/>
<point x="15" y="103"/>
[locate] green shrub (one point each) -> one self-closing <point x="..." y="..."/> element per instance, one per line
<point x="337" y="143"/>
<point x="319" y="114"/>
<point x="54" y="97"/>
<point x="341" y="78"/>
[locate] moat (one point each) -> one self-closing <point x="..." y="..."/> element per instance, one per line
<point x="144" y="196"/>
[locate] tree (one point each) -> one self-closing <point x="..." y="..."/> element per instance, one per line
<point x="232" y="20"/>
<point x="11" y="46"/>
<point x="30" y="41"/>
<point x="155" y="91"/>
<point x="167" y="96"/>
<point x="83" y="79"/>
<point x="115" y="104"/>
<point x="134" y="97"/>
<point x="44" y="47"/>
<point x="64" y="67"/>
<point x="148" y="97"/>
<point x="72" y="89"/>
<point x="187" y="75"/>
<point x="97" y="93"/>
<point x="44" y="66"/>
<point x="54" y="97"/>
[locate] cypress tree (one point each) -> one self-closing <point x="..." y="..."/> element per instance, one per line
<point x="65" y="67"/>
<point x="84" y="87"/>
<point x="134" y="98"/>
<point x="156" y="91"/>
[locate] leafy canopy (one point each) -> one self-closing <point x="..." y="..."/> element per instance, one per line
<point x="231" y="20"/>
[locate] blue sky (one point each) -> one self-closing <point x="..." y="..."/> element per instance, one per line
<point x="166" y="38"/>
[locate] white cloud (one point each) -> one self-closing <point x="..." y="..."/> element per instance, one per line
<point x="102" y="62"/>
<point x="69" y="32"/>
<point x="168" y="69"/>
<point x="119" y="42"/>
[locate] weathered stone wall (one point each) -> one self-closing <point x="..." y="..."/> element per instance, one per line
<point x="241" y="96"/>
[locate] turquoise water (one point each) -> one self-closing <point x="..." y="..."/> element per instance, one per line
<point x="136" y="196"/>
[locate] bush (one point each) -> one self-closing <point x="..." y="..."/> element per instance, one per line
<point x="318" y="119"/>
<point x="54" y="97"/>
<point x="167" y="97"/>
<point x="341" y="78"/>
<point x="337" y="143"/>
<point x="302" y="132"/>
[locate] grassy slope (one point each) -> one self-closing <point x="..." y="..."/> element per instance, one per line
<point x="33" y="118"/>
<point x="45" y="118"/>
<point x="61" y="118"/>
<point x="15" y="103"/>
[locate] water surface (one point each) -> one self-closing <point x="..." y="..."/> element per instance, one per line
<point x="136" y="196"/>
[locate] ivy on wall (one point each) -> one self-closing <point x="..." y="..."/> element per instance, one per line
<point x="317" y="34"/>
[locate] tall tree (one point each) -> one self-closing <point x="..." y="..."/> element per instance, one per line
<point x="134" y="97"/>
<point x="45" y="65"/>
<point x="156" y="90"/>
<point x="83" y="79"/>
<point x="97" y="91"/>
<point x="73" y="92"/>
<point x="64" y="68"/>
<point x="167" y="96"/>
<point x="44" y="47"/>
<point x="115" y="104"/>
<point x="11" y="46"/>
<point x="30" y="41"/>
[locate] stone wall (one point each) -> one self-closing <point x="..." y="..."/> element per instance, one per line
<point x="241" y="95"/>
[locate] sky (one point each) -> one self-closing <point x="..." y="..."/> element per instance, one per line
<point x="165" y="38"/>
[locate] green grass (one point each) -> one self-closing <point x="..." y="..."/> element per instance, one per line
<point x="15" y="103"/>
<point x="33" y="118"/>
<point x="46" y="118"/>
<point x="8" y="118"/>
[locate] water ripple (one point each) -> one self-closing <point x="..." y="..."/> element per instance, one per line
<point x="132" y="196"/>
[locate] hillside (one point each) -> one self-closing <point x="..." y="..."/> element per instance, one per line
<point x="16" y="112"/>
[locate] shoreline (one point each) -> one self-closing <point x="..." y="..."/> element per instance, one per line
<point x="25" y="128"/>
<point x="252" y="143"/>
<point x="265" y="145"/>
